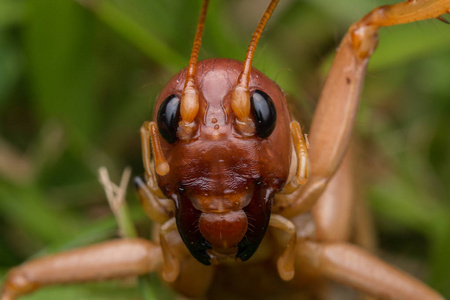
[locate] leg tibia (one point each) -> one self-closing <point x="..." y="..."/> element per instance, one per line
<point x="113" y="259"/>
<point x="364" y="33"/>
<point x="406" y="12"/>
<point x="333" y="212"/>
<point x="335" y="114"/>
<point x="355" y="267"/>
<point x="152" y="205"/>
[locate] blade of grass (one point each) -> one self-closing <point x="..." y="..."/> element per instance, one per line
<point x="116" y="195"/>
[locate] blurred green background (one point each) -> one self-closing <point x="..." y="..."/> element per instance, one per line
<point x="77" y="79"/>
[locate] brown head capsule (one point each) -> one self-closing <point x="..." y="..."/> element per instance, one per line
<point x="222" y="180"/>
<point x="224" y="132"/>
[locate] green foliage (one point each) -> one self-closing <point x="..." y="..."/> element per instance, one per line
<point x="78" y="78"/>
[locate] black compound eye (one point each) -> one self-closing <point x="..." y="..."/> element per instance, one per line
<point x="264" y="112"/>
<point x="168" y="116"/>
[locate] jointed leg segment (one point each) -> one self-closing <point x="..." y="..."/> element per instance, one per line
<point x="149" y="193"/>
<point x="329" y="138"/>
<point x="285" y="263"/>
<point x="171" y="268"/>
<point x="301" y="158"/>
<point x="108" y="260"/>
<point x="336" y="111"/>
<point x="354" y="267"/>
<point x="151" y="204"/>
<point x="334" y="209"/>
<point x="149" y="138"/>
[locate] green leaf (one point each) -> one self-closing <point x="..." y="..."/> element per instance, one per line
<point x="136" y="34"/>
<point x="9" y="67"/>
<point x="26" y="208"/>
<point x="12" y="12"/>
<point x="60" y="47"/>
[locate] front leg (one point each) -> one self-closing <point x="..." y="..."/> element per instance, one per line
<point x="108" y="260"/>
<point x="335" y="115"/>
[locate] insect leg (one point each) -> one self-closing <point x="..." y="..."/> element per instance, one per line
<point x="340" y="214"/>
<point x="149" y="139"/>
<point x="335" y="114"/>
<point x="171" y="268"/>
<point x="108" y="260"/>
<point x="149" y="194"/>
<point x="152" y="205"/>
<point x="285" y="263"/>
<point x="332" y="212"/>
<point x="301" y="160"/>
<point x="353" y="266"/>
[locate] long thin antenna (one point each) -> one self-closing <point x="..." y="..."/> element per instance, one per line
<point x="241" y="100"/>
<point x="189" y="99"/>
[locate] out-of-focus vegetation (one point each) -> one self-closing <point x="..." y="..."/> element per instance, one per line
<point x="77" y="79"/>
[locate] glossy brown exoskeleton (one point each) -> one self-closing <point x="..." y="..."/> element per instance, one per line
<point x="221" y="179"/>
